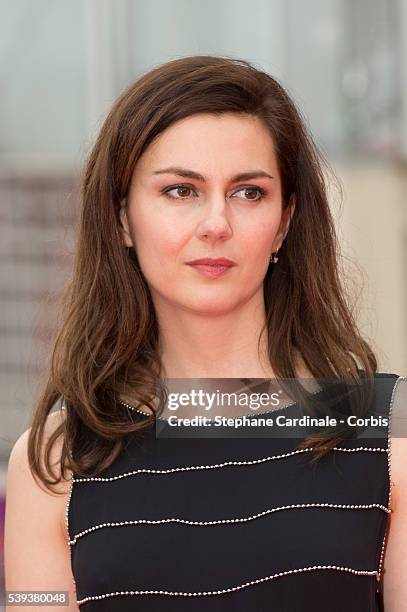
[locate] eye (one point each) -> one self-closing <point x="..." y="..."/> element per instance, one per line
<point x="181" y="189"/>
<point x="253" y="189"/>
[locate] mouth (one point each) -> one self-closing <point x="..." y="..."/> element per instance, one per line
<point x="212" y="270"/>
<point x="216" y="262"/>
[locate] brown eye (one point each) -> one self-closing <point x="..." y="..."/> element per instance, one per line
<point x="183" y="191"/>
<point x="250" y="191"/>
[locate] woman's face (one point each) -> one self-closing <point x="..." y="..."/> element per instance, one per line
<point x="186" y="202"/>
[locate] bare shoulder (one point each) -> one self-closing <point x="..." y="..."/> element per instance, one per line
<point x="37" y="553"/>
<point x="18" y="466"/>
<point x="398" y="439"/>
<point x="19" y="475"/>
<point x="395" y="559"/>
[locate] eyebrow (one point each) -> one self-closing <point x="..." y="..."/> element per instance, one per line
<point x="184" y="172"/>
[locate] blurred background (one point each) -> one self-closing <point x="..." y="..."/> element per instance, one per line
<point x="62" y="63"/>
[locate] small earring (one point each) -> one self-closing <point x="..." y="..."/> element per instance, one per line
<point x="274" y="258"/>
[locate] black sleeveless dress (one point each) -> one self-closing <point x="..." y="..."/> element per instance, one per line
<point x="227" y="524"/>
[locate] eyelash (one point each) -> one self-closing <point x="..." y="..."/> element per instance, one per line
<point x="166" y="191"/>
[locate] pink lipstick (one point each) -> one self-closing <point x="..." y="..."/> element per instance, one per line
<point x="212" y="267"/>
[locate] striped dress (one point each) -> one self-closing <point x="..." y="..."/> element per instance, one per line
<point x="234" y="523"/>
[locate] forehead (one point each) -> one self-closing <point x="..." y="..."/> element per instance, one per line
<point x="210" y="143"/>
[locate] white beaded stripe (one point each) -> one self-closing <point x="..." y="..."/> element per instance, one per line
<point x="231" y="589"/>
<point x="389" y="470"/>
<point x="221" y="465"/>
<point x="225" y="521"/>
<point x="67" y="524"/>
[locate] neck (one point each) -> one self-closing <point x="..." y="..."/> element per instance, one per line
<point x="225" y="345"/>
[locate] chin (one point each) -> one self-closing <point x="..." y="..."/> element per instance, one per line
<point x="210" y="307"/>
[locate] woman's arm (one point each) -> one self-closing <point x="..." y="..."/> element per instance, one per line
<point x="37" y="555"/>
<point x="395" y="560"/>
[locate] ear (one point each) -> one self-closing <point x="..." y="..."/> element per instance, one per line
<point x="124" y="229"/>
<point x="285" y="222"/>
<point x="288" y="213"/>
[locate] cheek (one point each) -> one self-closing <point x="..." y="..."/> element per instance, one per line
<point x="158" y="244"/>
<point x="256" y="242"/>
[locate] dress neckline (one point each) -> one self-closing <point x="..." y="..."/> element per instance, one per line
<point x="246" y="388"/>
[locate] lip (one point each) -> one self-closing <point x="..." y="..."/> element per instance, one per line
<point x="212" y="261"/>
<point x="212" y="267"/>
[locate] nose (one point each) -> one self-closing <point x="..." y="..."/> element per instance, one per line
<point x="214" y="224"/>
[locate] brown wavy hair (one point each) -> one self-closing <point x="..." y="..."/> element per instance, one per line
<point x="106" y="345"/>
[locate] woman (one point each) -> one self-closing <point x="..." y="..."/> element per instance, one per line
<point x="206" y="157"/>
